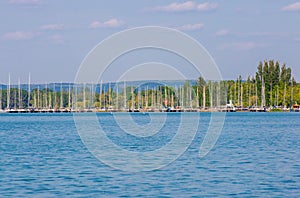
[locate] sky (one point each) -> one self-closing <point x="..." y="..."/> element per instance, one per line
<point x="50" y="38"/>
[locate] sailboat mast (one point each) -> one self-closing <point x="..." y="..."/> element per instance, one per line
<point x="242" y="92"/>
<point x="38" y="97"/>
<point x="100" y="95"/>
<point x="19" y="87"/>
<point x="50" y="99"/>
<point x="117" y="95"/>
<point x="124" y="91"/>
<point x="84" y="96"/>
<point x="263" y="99"/>
<point x="15" y="99"/>
<point x="204" y="97"/>
<point x="92" y="95"/>
<point x="132" y="98"/>
<point x="8" y="92"/>
<point x="292" y="92"/>
<point x="190" y="97"/>
<point x="152" y="98"/>
<point x="211" y="95"/>
<point x="46" y="96"/>
<point x="70" y="96"/>
<point x="197" y="97"/>
<point x="284" y="95"/>
<point x="109" y="94"/>
<point x="61" y="96"/>
<point x="28" y="102"/>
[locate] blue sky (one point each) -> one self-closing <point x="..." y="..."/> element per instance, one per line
<point x="50" y="38"/>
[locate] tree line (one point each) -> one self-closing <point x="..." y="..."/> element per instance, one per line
<point x="271" y="86"/>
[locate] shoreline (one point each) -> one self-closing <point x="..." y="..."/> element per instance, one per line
<point x="165" y="110"/>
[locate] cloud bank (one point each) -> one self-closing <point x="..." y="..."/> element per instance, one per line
<point x="52" y="27"/>
<point x="191" y="27"/>
<point x="28" y="2"/>
<point x="111" y="23"/>
<point x="292" y="7"/>
<point x="187" y="6"/>
<point x="19" y="35"/>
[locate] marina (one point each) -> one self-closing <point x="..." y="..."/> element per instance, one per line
<point x="143" y="96"/>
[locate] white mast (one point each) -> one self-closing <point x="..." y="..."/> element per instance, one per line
<point x="132" y="96"/>
<point x="263" y="100"/>
<point x="182" y="96"/>
<point x="242" y="92"/>
<point x="84" y="96"/>
<point x="50" y="99"/>
<point x="8" y="92"/>
<point x="218" y="94"/>
<point x="292" y="92"/>
<point x="204" y="97"/>
<point x="46" y="96"/>
<point x="92" y="95"/>
<point x="249" y="95"/>
<point x="117" y="95"/>
<point x="75" y="97"/>
<point x="138" y="97"/>
<point x="69" y="95"/>
<point x="20" y="100"/>
<point x="152" y="98"/>
<point x="256" y="95"/>
<point x="109" y="95"/>
<point x="197" y="97"/>
<point x="38" y="97"/>
<point x="124" y="90"/>
<point x="146" y="97"/>
<point x="61" y="96"/>
<point x="15" y="99"/>
<point x="55" y="96"/>
<point x="190" y="97"/>
<point x="234" y="98"/>
<point x="28" y="91"/>
<point x="100" y="95"/>
<point x="239" y="92"/>
<point x="211" y="95"/>
<point x="172" y="100"/>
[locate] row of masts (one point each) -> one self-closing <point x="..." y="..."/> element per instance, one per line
<point x="123" y="96"/>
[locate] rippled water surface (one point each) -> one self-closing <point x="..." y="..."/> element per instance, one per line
<point x="257" y="154"/>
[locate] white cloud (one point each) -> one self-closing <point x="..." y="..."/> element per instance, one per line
<point x="95" y="24"/>
<point x="19" y="35"/>
<point x="57" y="39"/>
<point x="244" y="46"/>
<point x="52" y="27"/>
<point x="177" y="7"/>
<point x="207" y="6"/>
<point x="32" y="2"/>
<point x="111" y="23"/>
<point x="222" y="32"/>
<point x="265" y="34"/>
<point x="292" y="7"/>
<point x="191" y="27"/>
<point x="187" y="6"/>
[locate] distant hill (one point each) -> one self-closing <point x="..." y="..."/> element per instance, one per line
<point x="65" y="86"/>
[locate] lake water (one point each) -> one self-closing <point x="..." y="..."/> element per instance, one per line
<point x="257" y="154"/>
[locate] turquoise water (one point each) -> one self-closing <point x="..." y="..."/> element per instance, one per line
<point x="257" y="154"/>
